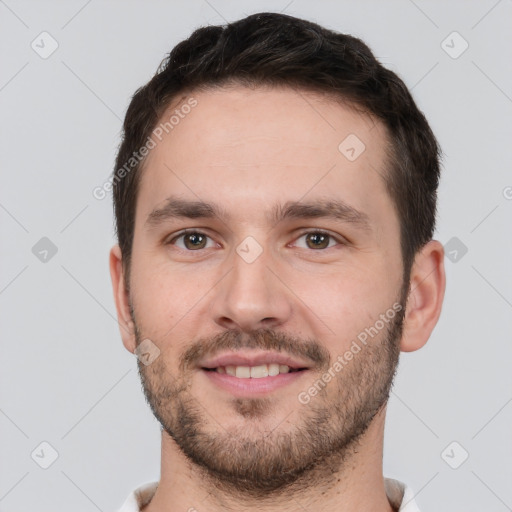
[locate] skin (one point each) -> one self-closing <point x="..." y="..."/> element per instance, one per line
<point x="246" y="150"/>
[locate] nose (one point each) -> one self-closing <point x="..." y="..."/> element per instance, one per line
<point x="251" y="296"/>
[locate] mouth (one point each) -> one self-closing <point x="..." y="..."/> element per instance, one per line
<point x="255" y="372"/>
<point x="252" y="374"/>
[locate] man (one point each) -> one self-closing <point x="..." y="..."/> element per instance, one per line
<point x="275" y="200"/>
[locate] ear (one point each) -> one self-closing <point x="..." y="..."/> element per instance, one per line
<point x="426" y="294"/>
<point x="121" y="297"/>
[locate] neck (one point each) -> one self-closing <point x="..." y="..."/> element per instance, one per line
<point x="355" y="483"/>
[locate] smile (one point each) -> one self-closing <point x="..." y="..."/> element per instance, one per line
<point x="254" y="372"/>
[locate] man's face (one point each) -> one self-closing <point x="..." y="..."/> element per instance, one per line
<point x="265" y="278"/>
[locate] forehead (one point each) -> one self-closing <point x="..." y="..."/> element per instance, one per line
<point x="243" y="147"/>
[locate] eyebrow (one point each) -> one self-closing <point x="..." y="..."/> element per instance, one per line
<point x="176" y="208"/>
<point x="336" y="209"/>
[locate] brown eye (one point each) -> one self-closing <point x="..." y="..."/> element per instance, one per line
<point x="191" y="241"/>
<point x="194" y="241"/>
<point x="317" y="240"/>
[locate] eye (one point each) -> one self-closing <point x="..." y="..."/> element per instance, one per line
<point x="191" y="241"/>
<point x="319" y="240"/>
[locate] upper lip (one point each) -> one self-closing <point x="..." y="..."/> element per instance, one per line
<point x="252" y="358"/>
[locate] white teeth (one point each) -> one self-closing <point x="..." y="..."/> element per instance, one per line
<point x="243" y="372"/>
<point x="254" y="372"/>
<point x="273" y="369"/>
<point x="259" y="371"/>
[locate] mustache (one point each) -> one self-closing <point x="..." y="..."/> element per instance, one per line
<point x="263" y="339"/>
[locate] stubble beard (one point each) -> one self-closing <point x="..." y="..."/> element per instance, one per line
<point x="251" y="462"/>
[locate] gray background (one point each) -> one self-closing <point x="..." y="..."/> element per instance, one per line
<point x="65" y="377"/>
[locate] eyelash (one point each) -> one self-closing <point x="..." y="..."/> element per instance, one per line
<point x="312" y="231"/>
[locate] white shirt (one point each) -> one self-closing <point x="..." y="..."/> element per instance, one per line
<point x="399" y="495"/>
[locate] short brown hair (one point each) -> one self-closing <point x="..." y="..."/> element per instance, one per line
<point x="279" y="50"/>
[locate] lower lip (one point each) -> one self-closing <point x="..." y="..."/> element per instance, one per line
<point x="251" y="386"/>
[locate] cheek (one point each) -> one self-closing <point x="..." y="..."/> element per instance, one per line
<point x="342" y="304"/>
<point x="165" y="314"/>
<point x="161" y="298"/>
<point x="172" y="300"/>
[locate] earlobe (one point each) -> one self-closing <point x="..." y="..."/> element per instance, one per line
<point x="121" y="298"/>
<point x="426" y="294"/>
